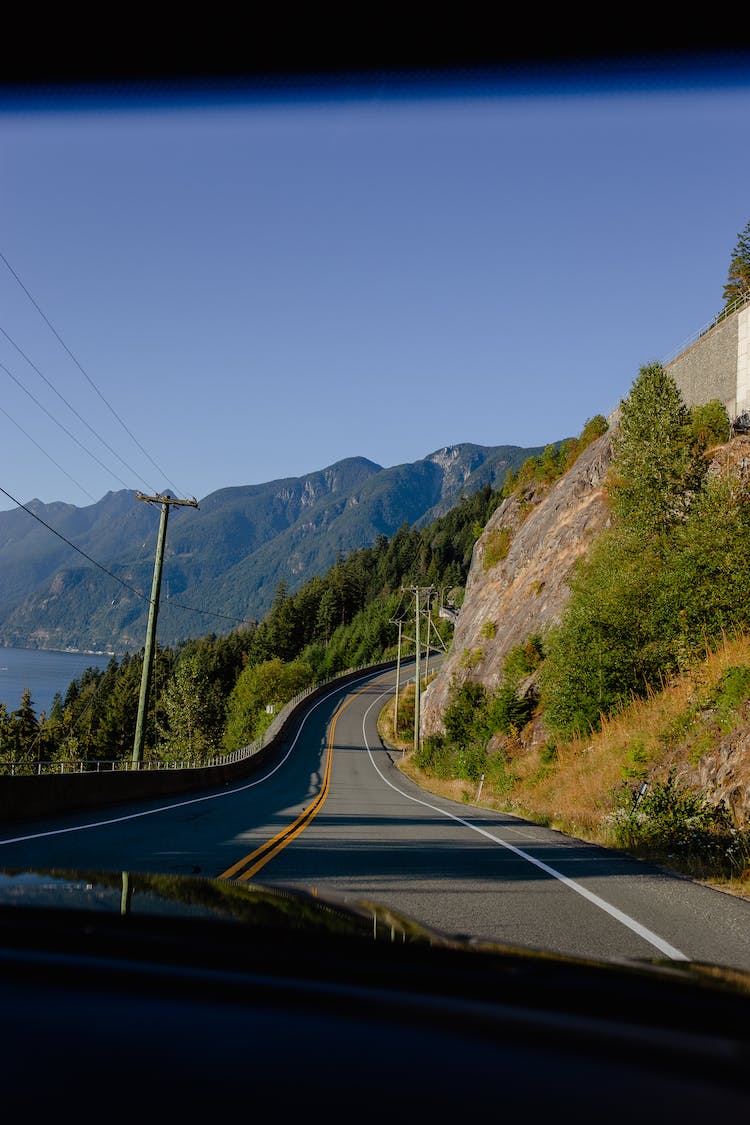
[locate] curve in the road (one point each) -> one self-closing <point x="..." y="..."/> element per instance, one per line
<point x="647" y="935"/>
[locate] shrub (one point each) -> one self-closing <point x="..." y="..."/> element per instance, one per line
<point x="496" y="547"/>
<point x="467" y="703"/>
<point x="675" y="822"/>
<point x="731" y="691"/>
<point x="710" y="423"/>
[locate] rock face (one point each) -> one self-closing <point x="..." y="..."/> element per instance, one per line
<point x="518" y="580"/>
<point x="227" y="557"/>
<point x="723" y="775"/>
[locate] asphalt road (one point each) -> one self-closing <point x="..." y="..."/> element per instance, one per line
<point x="334" y="813"/>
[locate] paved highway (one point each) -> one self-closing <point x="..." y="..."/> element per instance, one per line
<point x="333" y="812"/>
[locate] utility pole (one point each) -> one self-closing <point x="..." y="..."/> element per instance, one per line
<point x="427" y="651"/>
<point x="398" y="677"/>
<point x="417" y="685"/>
<point x="153" y="612"/>
<point x="417" y="677"/>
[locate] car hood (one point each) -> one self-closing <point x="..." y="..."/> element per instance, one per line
<point x="194" y="911"/>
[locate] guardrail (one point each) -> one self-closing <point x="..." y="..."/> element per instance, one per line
<point x="126" y="765"/>
<point x="735" y="306"/>
<point x="28" y="796"/>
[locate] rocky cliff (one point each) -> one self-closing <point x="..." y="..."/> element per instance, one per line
<point x="518" y="585"/>
<point x="518" y="582"/>
<point x="224" y="560"/>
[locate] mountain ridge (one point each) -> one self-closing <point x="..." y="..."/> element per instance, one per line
<point x="226" y="559"/>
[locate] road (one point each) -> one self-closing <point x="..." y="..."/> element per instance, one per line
<point x="334" y="813"/>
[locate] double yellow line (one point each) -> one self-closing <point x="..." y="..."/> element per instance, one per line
<point x="245" y="868"/>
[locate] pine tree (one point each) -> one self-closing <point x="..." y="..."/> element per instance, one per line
<point x="658" y="464"/>
<point x="738" y="276"/>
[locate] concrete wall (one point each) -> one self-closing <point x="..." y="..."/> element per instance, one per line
<point x="717" y="365"/>
<point x="26" y="798"/>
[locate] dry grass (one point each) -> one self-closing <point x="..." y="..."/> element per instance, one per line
<point x="578" y="786"/>
<point x="645" y="740"/>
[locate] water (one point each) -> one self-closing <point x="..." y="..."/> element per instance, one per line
<point x="44" y="673"/>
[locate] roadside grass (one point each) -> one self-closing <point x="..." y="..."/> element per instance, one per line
<point x="632" y="784"/>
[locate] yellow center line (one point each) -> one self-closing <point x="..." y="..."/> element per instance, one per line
<point x="250" y="864"/>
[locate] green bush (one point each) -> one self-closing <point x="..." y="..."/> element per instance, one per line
<point x="731" y="691"/>
<point x="674" y="822"/>
<point x="710" y="423"/>
<point x="496" y="547"/>
<point x="506" y="712"/>
<point x="468" y="702"/>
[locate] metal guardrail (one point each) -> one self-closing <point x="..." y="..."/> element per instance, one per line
<point x="735" y="306"/>
<point x="123" y="765"/>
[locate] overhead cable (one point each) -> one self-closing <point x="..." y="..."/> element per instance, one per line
<point x="59" y="423"/>
<point x="46" y="454"/>
<point x="122" y="582"/>
<point x="91" y="382"/>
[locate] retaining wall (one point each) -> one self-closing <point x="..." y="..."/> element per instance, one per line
<point x="717" y="365"/>
<point x="29" y="797"/>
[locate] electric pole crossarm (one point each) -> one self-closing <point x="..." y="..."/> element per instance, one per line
<point x="166" y="500"/>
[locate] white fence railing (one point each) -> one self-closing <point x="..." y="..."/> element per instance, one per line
<point x="735" y="306"/>
<point x="96" y="765"/>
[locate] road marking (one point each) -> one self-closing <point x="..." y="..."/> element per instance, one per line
<point x="189" y="801"/>
<point x="625" y="919"/>
<point x="249" y="865"/>
<point x="297" y="826"/>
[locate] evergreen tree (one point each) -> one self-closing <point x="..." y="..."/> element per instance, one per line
<point x="738" y="276"/>
<point x="658" y="464"/>
<point x="188" y="706"/>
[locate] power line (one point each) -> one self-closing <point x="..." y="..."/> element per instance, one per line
<point x="72" y="409"/>
<point x="46" y="454"/>
<point x="122" y="582"/>
<point x="91" y="382"/>
<point x="59" y="423"/>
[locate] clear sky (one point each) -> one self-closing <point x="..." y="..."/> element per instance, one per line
<point x="251" y="288"/>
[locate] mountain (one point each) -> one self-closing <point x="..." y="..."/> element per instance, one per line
<point x="224" y="560"/>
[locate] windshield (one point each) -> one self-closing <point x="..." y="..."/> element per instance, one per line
<point x="317" y="391"/>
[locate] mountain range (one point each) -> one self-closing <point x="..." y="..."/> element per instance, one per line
<point x="80" y="578"/>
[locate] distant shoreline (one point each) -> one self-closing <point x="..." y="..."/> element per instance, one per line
<point x="70" y="651"/>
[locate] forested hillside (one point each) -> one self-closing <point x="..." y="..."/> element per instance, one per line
<point x="79" y="577"/>
<point x="628" y="720"/>
<point x="211" y="693"/>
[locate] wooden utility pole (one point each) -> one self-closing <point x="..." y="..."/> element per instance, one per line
<point x="153" y="612"/>
<point x="398" y="677"/>
<point x="417" y="677"/>
<point x="427" y="647"/>
<point x="417" y="685"/>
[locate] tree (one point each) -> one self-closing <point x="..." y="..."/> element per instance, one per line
<point x="710" y="423"/>
<point x="20" y="733"/>
<point x="269" y="684"/>
<point x="706" y="583"/>
<point x="605" y="648"/>
<point x="738" y="276"/>
<point x="658" y="465"/>
<point x="188" y="705"/>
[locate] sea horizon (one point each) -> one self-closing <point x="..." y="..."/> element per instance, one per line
<point x="44" y="672"/>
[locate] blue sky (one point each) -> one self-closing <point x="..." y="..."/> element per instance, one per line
<point x="257" y="287"/>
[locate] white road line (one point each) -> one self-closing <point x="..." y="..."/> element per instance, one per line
<point x="179" y="804"/>
<point x="625" y="919"/>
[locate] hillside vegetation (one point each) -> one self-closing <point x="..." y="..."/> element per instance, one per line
<point x="626" y="723"/>
<point x="614" y="723"/>
<point x="212" y="693"/>
<point x="225" y="559"/>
